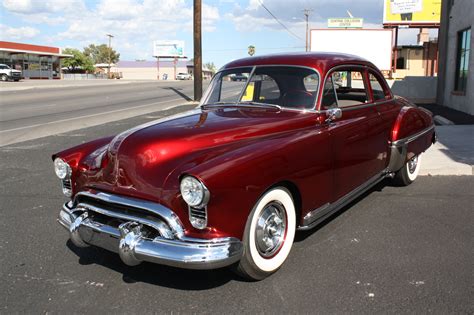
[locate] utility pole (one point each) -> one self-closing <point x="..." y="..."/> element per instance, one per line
<point x="110" y="50"/>
<point x="197" y="51"/>
<point x="306" y="14"/>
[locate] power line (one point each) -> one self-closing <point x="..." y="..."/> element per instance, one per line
<point x="276" y="19"/>
<point x="245" y="49"/>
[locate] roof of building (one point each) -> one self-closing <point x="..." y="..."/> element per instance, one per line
<point x="150" y="64"/>
<point x="322" y="61"/>
<point x="31" y="49"/>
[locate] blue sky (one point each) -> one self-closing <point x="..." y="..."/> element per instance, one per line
<point x="229" y="27"/>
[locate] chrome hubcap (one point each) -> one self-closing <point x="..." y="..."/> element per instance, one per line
<point x="412" y="164"/>
<point x="270" y="230"/>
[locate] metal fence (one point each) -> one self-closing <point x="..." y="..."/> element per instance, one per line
<point x="83" y="76"/>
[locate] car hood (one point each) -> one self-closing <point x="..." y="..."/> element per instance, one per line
<point x="141" y="159"/>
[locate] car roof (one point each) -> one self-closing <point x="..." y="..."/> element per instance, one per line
<point x="322" y="61"/>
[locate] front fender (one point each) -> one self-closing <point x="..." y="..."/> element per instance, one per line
<point x="238" y="177"/>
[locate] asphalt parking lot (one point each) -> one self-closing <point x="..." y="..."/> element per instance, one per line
<point x="396" y="250"/>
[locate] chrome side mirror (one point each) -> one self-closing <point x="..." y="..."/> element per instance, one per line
<point x="333" y="114"/>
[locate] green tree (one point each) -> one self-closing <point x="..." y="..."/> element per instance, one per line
<point x="210" y="66"/>
<point x="78" y="61"/>
<point x="100" y="54"/>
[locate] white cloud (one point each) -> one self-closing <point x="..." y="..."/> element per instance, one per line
<point x="135" y="24"/>
<point x="43" y="6"/>
<point x="18" y="33"/>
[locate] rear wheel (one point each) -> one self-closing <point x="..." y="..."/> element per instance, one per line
<point x="409" y="172"/>
<point x="269" y="235"/>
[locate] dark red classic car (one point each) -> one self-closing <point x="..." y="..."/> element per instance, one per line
<point x="229" y="183"/>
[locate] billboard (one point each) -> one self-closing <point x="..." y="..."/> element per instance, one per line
<point x="412" y="12"/>
<point x="168" y="48"/>
<point x="374" y="45"/>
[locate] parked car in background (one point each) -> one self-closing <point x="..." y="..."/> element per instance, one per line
<point x="7" y="73"/>
<point x="238" y="77"/>
<point x="230" y="182"/>
<point x="183" y="76"/>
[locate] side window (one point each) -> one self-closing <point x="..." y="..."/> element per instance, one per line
<point x="350" y="88"/>
<point x="329" y="97"/>
<point x="377" y="88"/>
<point x="311" y="83"/>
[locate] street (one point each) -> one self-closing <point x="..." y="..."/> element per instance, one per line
<point x="35" y="112"/>
<point x="395" y="250"/>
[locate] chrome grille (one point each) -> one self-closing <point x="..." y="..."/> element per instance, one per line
<point x="67" y="187"/>
<point x="198" y="213"/>
<point x="113" y="210"/>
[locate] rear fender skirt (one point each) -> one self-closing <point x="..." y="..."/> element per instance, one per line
<point x="404" y="149"/>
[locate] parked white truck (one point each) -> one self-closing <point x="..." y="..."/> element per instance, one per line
<point x="7" y="73"/>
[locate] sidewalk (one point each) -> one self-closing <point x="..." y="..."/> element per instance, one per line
<point x="48" y="84"/>
<point x="453" y="154"/>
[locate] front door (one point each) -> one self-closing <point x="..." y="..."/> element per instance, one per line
<point x="358" y="139"/>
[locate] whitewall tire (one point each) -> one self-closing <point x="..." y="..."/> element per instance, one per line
<point x="409" y="172"/>
<point x="269" y="234"/>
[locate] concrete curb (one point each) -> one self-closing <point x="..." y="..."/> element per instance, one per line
<point x="442" y="121"/>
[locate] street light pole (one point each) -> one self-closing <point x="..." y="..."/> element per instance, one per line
<point x="306" y="14"/>
<point x="197" y="51"/>
<point x="110" y="50"/>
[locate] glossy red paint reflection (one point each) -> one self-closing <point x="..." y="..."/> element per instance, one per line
<point x="240" y="152"/>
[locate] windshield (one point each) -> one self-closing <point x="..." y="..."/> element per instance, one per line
<point x="283" y="86"/>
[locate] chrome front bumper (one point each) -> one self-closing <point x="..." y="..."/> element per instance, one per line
<point x="136" y="235"/>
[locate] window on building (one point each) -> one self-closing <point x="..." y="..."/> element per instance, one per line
<point x="462" y="64"/>
<point x="401" y="63"/>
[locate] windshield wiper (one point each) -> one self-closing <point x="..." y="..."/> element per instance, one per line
<point x="217" y="104"/>
<point x="260" y="104"/>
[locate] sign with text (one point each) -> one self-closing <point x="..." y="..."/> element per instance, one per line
<point x="345" y="23"/>
<point x="408" y="12"/>
<point x="168" y="48"/>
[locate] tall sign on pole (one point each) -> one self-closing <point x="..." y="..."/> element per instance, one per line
<point x="197" y="51"/>
<point x="306" y="14"/>
<point x="110" y="50"/>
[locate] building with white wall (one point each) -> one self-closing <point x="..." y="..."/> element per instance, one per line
<point x="148" y="70"/>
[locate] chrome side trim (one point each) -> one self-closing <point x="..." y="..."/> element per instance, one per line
<point x="398" y="157"/>
<point x="316" y="216"/>
<point x="413" y="137"/>
<point x="166" y="214"/>
<point x="134" y="245"/>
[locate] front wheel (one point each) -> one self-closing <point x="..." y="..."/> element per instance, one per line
<point x="269" y="235"/>
<point x="4" y="77"/>
<point x="409" y="172"/>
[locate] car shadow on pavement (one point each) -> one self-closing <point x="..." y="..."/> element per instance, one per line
<point x="303" y="235"/>
<point x="170" y="277"/>
<point x="177" y="91"/>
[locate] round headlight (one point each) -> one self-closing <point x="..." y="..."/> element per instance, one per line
<point x="61" y="168"/>
<point x="193" y="191"/>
